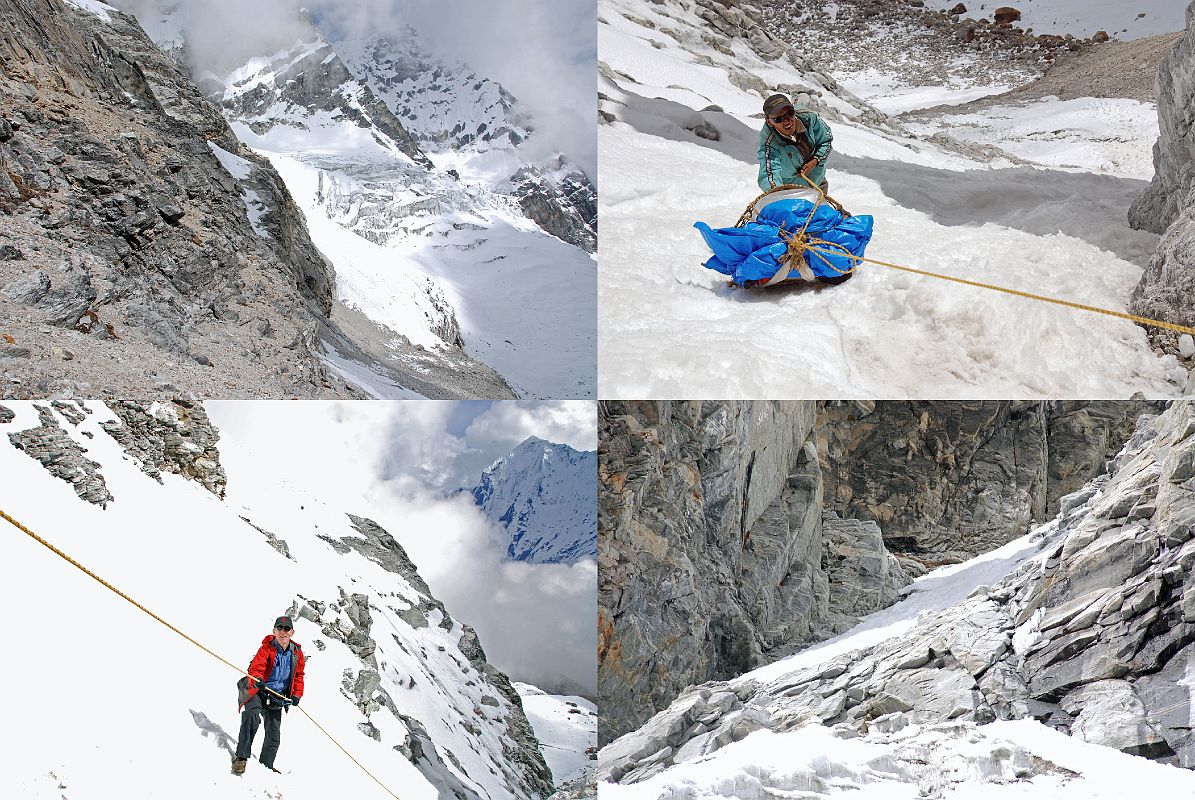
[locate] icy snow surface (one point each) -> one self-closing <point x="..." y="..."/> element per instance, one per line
<point x="1103" y="135"/>
<point x="101" y="10"/>
<point x="812" y="763"/>
<point x="671" y="328"/>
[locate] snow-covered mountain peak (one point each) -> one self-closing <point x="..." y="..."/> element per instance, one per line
<point x="306" y="86"/>
<point x="446" y="105"/>
<point x="544" y="495"/>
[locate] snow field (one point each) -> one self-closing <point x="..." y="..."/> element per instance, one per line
<point x="108" y="698"/>
<point x="811" y="762"/>
<point x="564" y="731"/>
<point x="671" y="328"/>
<point x="524" y="300"/>
<point x="1111" y="136"/>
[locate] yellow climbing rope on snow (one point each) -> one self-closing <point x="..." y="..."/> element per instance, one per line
<point x="202" y="647"/>
<point x="799" y="243"/>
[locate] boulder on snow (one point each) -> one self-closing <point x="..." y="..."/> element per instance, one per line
<point x="1006" y="15"/>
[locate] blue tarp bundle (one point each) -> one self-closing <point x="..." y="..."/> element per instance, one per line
<point x="752" y="252"/>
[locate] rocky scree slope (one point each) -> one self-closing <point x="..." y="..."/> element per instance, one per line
<point x="897" y="29"/>
<point x="418" y="681"/>
<point x="753" y="529"/>
<point x="1094" y="637"/>
<point x="129" y="264"/>
<point x="706" y="25"/>
<point x="1167" y="207"/>
<point x="544" y="496"/>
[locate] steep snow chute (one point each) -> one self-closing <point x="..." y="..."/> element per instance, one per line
<point x="788" y="235"/>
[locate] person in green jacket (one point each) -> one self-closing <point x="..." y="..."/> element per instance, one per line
<point x="792" y="143"/>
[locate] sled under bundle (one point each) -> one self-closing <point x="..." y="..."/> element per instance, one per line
<point x="783" y="237"/>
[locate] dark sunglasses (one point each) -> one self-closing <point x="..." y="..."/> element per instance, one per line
<point x="785" y="117"/>
<point x="285" y="628"/>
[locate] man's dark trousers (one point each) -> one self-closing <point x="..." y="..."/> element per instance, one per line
<point x="251" y="717"/>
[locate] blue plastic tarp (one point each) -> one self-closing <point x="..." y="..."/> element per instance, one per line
<point x="753" y="252"/>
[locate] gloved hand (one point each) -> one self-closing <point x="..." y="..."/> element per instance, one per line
<point x="294" y="701"/>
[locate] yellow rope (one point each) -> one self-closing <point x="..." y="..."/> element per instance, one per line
<point x="205" y="649"/>
<point x="799" y="244"/>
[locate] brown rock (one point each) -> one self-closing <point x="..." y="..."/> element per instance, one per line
<point x="1100" y="37"/>
<point x="959" y="9"/>
<point x="1006" y="14"/>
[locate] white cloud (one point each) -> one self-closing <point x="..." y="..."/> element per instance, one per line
<point x="391" y="461"/>
<point x="545" y="54"/>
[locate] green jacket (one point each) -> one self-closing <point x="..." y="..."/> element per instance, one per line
<point x="781" y="159"/>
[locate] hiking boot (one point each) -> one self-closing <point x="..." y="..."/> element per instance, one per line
<point x="238" y="766"/>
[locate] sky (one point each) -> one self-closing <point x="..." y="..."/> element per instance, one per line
<point x="399" y="463"/>
<point x="545" y="54"/>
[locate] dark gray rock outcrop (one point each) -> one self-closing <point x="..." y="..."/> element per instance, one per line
<point x="711" y="551"/>
<point x="950" y="480"/>
<point x="565" y="208"/>
<point x="1168" y="283"/>
<point x="63" y="457"/>
<point x="173" y="437"/>
<point x="732" y="534"/>
<point x="139" y="253"/>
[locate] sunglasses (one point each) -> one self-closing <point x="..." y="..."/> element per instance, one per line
<point x="284" y="628"/>
<point x="785" y="117"/>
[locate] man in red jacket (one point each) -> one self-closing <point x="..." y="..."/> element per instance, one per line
<point x="275" y="684"/>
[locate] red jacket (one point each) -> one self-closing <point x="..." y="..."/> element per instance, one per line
<point x="263" y="664"/>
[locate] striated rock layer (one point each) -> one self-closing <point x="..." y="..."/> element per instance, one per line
<point x="731" y="534"/>
<point x="1092" y="634"/>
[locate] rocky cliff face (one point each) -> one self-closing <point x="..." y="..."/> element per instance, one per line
<point x="732" y="534"/>
<point x="1168" y="284"/>
<point x="504" y="741"/>
<point x="948" y="481"/>
<point x="133" y="261"/>
<point x="1093" y="634"/>
<point x="710" y="518"/>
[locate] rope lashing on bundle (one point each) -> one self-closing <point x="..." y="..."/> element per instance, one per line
<point x="799" y="243"/>
<point x="262" y="687"/>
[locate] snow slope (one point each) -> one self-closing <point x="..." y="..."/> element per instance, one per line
<point x="671" y="328"/>
<point x="988" y="764"/>
<point x="103" y="700"/>
<point x="545" y="497"/>
<point x="566" y="727"/>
